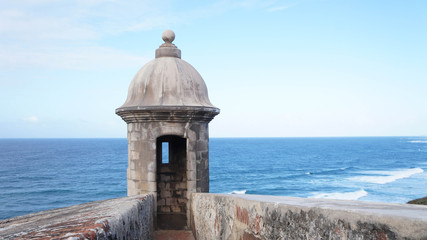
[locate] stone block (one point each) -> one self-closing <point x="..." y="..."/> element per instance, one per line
<point x="133" y="155"/>
<point x="191" y="159"/>
<point x="150" y="166"/>
<point x="181" y="185"/>
<point x="132" y="188"/>
<point x="142" y="175"/>
<point x="191" y="176"/>
<point x="165" y="194"/>
<point x="176" y="129"/>
<point x="148" y="186"/>
<point x="151" y="176"/>
<point x="135" y="136"/>
<point x="191" y="185"/>
<point x="154" y="132"/>
<point x="128" y="174"/>
<point x="175" y="209"/>
<point x="161" y="202"/>
<point x="131" y="165"/>
<point x="165" y="178"/>
<point x="195" y="127"/>
<point x="205" y="156"/>
<point x="202" y="145"/>
<point x="165" y="209"/>
<point x="131" y="146"/>
<point x="191" y="134"/>
<point x="191" y="146"/>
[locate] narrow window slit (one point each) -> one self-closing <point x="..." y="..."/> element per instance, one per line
<point x="165" y="152"/>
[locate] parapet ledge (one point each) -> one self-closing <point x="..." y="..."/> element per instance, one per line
<point x="221" y="216"/>
<point x="120" y="218"/>
<point x="378" y="209"/>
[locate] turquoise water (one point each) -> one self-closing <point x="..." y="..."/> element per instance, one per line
<point x="40" y="174"/>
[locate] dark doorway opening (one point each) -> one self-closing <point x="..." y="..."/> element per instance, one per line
<point x="171" y="182"/>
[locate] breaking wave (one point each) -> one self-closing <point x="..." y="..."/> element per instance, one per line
<point x="343" y="196"/>
<point x="238" y="192"/>
<point x="383" y="177"/>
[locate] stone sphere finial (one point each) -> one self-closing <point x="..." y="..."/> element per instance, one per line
<point x="168" y="49"/>
<point x="168" y="36"/>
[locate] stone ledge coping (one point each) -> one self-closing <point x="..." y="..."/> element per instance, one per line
<point x="223" y="216"/>
<point x="167" y="113"/>
<point x="399" y="210"/>
<point x="125" y="217"/>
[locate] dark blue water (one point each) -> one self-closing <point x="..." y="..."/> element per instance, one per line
<point x="40" y="174"/>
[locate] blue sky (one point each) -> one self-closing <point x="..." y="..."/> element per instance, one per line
<point x="274" y="68"/>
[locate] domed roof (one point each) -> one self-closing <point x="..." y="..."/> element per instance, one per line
<point x="167" y="82"/>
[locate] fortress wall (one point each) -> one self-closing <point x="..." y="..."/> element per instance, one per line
<point x="225" y="216"/>
<point x="120" y="218"/>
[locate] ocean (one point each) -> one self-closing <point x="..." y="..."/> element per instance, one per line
<point x="41" y="174"/>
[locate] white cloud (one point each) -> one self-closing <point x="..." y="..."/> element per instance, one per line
<point x="70" y="58"/>
<point x="21" y="25"/>
<point x="52" y="34"/>
<point x="32" y="119"/>
<point x="76" y="19"/>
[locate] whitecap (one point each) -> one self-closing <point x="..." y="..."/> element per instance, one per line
<point x="342" y="195"/>
<point x="308" y="173"/>
<point x="418" y="141"/>
<point x="383" y="177"/>
<point x="238" y="192"/>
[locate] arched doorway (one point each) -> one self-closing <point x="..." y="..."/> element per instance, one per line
<point x="171" y="182"/>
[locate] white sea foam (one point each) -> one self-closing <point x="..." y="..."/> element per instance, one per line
<point x="308" y="173"/>
<point x="418" y="141"/>
<point x="344" y="196"/>
<point x="238" y="192"/>
<point x="383" y="177"/>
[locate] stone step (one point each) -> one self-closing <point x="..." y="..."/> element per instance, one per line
<point x="173" y="235"/>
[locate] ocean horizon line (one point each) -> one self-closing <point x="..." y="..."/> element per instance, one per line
<point x="263" y="137"/>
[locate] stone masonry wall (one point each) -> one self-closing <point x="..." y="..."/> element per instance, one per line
<point x="142" y="165"/>
<point x="250" y="217"/>
<point x="173" y="188"/>
<point x="120" y="218"/>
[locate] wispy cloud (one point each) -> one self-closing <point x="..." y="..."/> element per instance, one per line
<point x="68" y="34"/>
<point x="54" y="34"/>
<point x="32" y="119"/>
<point x="69" y="58"/>
<point x="21" y="25"/>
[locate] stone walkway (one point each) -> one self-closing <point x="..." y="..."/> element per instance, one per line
<point x="173" y="235"/>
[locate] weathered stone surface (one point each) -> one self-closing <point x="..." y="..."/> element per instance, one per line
<point x="188" y="170"/>
<point x="224" y="216"/>
<point x="168" y="103"/>
<point x="121" y="218"/>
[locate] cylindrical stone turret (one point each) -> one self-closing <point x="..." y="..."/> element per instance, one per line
<point x="168" y="107"/>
